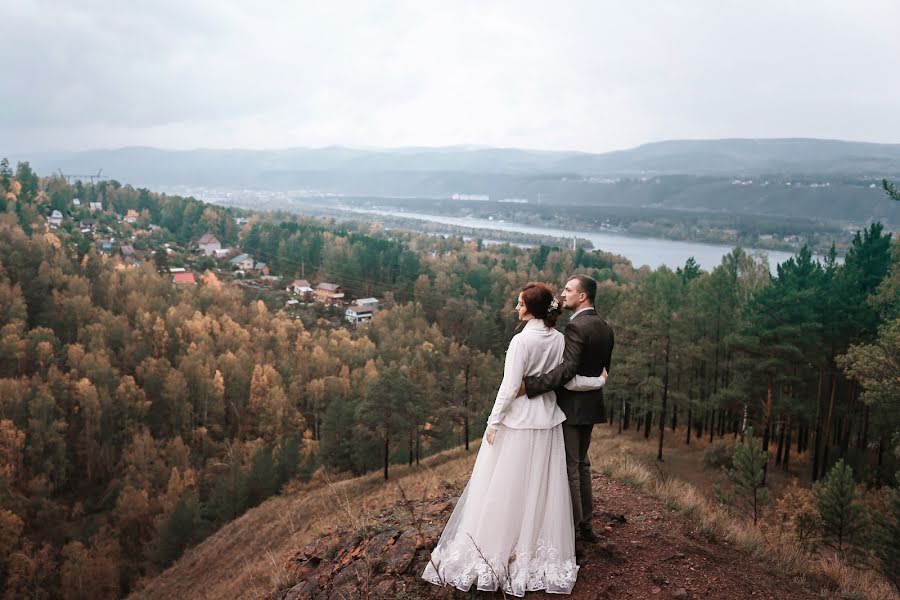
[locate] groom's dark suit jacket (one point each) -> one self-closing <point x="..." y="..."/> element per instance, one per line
<point x="589" y="345"/>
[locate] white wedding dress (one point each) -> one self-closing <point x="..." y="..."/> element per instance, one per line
<point x="512" y="527"/>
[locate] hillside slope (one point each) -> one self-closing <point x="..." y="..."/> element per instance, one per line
<point x="359" y="538"/>
<point x="246" y="558"/>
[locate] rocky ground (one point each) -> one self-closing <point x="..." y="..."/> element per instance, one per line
<point x="646" y="551"/>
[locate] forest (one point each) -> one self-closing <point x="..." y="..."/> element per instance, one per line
<point x="137" y="416"/>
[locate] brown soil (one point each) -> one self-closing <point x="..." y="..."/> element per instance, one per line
<point x="646" y="551"/>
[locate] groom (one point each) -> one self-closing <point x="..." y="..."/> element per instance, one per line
<point x="589" y="345"/>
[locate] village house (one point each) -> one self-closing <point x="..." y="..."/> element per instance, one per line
<point x="131" y="216"/>
<point x="55" y="219"/>
<point x="208" y="244"/>
<point x="242" y="261"/>
<point x="356" y="314"/>
<point x="261" y="268"/>
<point x="88" y="225"/>
<point x="127" y="250"/>
<point x="184" y="279"/>
<point x="76" y="201"/>
<point x="329" y="293"/>
<point x="95" y="206"/>
<point x="368" y="303"/>
<point x="302" y="288"/>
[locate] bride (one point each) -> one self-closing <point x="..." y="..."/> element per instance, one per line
<point x="512" y="526"/>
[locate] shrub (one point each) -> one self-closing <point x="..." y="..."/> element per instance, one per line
<point x="798" y="518"/>
<point x="719" y="455"/>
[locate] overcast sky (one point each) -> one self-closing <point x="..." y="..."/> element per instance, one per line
<point x="567" y="75"/>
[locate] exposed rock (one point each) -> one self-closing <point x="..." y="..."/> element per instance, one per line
<point x="398" y="558"/>
<point x="351" y="564"/>
<point x="356" y="574"/>
<point x="383" y="588"/>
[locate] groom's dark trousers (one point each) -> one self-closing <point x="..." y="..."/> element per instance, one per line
<point x="589" y="345"/>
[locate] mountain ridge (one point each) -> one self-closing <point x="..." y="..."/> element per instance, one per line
<point x="693" y="157"/>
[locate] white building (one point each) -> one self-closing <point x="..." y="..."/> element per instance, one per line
<point x="55" y="219"/>
<point x="356" y="314"/>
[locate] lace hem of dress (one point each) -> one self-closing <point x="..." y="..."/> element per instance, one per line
<point x="543" y="569"/>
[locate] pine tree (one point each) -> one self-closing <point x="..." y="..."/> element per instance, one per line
<point x="837" y="501"/>
<point x="288" y="462"/>
<point x="5" y="174"/>
<point x="748" y="475"/>
<point x="887" y="538"/>
<point x="261" y="479"/>
<point x="180" y="530"/>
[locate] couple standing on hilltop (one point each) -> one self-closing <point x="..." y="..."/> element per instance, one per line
<point x="528" y="504"/>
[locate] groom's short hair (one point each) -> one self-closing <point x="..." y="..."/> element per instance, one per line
<point x="587" y="284"/>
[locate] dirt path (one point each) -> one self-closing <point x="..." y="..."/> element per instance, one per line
<point x="658" y="553"/>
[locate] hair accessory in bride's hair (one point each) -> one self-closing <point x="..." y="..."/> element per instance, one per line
<point x="554" y="305"/>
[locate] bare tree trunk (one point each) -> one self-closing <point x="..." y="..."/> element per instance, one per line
<point x="787" y="443"/>
<point x="770" y="394"/>
<point x="864" y="434"/>
<point x="387" y="449"/>
<point x="778" y="452"/>
<point x="828" y="426"/>
<point x="665" y="397"/>
<point x="817" y="431"/>
<point x="622" y="416"/>
<point x="689" y="423"/>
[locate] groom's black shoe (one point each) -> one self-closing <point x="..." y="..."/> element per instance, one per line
<point x="588" y="536"/>
<point x="579" y="551"/>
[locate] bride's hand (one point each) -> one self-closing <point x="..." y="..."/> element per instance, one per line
<point x="604" y="375"/>
<point x="489" y="434"/>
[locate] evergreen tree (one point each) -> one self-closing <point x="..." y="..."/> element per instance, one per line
<point x="180" y="530"/>
<point x="887" y="538"/>
<point x="748" y="475"/>
<point x="288" y="462"/>
<point x="385" y="410"/>
<point x="5" y="174"/>
<point x="837" y="501"/>
<point x="261" y="479"/>
<point x="29" y="181"/>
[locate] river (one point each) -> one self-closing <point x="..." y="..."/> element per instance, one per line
<point x="653" y="252"/>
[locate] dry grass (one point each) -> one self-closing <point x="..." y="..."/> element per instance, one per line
<point x="627" y="459"/>
<point x="246" y="558"/>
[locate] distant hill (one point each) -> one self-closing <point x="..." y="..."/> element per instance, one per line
<point x="791" y="177"/>
<point x="687" y="157"/>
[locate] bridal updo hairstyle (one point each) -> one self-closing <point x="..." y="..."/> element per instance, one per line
<point x="537" y="298"/>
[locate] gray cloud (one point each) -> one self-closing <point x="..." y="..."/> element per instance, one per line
<point x="576" y="75"/>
